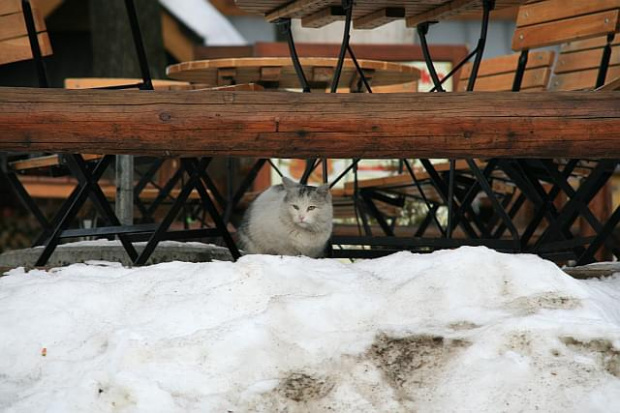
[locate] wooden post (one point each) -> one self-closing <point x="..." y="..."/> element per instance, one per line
<point x="114" y="55"/>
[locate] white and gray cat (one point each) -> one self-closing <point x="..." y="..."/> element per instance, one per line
<point x="288" y="219"/>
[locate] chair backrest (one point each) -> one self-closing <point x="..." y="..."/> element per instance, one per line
<point x="497" y="74"/>
<point x="579" y="62"/>
<point x="14" y="42"/>
<point x="553" y="22"/>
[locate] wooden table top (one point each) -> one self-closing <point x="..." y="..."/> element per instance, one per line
<point x="279" y="73"/>
<point x="367" y="14"/>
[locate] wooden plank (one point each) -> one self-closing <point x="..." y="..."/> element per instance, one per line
<point x="98" y="82"/>
<point x="409" y="87"/>
<point x="509" y="63"/>
<point x="379" y="18"/>
<point x="503" y="82"/>
<point x="14" y="25"/>
<point x="15" y="50"/>
<point x="297" y="9"/>
<point x="584" y="79"/>
<point x="247" y="87"/>
<point x="583" y="60"/>
<point x="595" y="43"/>
<point x="10" y="6"/>
<point x="311" y="125"/>
<point x="44" y="162"/>
<point x="451" y="8"/>
<point x="548" y="34"/>
<point x="323" y="17"/>
<point x="552" y="10"/>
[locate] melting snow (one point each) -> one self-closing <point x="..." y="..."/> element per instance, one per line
<point x="453" y="331"/>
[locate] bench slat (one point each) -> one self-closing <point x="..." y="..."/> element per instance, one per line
<point x="533" y="78"/>
<point x="15" y="50"/>
<point x="552" y="10"/>
<point x="508" y="64"/>
<point x="14" y="25"/>
<point x="582" y="27"/>
<point x="584" y="79"/>
<point x="586" y="59"/>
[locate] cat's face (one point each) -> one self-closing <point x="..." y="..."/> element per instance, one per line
<point x="307" y="205"/>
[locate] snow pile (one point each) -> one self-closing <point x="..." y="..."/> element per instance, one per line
<point x="452" y="331"/>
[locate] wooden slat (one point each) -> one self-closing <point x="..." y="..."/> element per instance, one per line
<point x="15" y="50"/>
<point x="548" y="34"/>
<point x="379" y="18"/>
<point x="452" y="9"/>
<point x="503" y="82"/>
<point x="44" y="162"/>
<point x="311" y="125"/>
<point x="13" y="25"/>
<point x="298" y="8"/>
<point x="275" y="9"/>
<point x="552" y="10"/>
<point x="583" y="60"/>
<point x="584" y="79"/>
<point x="509" y="63"/>
<point x="409" y="87"/>
<point x="98" y="82"/>
<point x="10" y="6"/>
<point x="587" y="44"/>
<point x="246" y="87"/>
<point x="323" y="17"/>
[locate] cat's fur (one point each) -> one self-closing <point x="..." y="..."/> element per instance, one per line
<point x="278" y="222"/>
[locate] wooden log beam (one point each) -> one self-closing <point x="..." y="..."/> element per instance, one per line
<point x="296" y="125"/>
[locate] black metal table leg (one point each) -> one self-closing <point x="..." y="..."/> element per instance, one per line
<point x="487" y="6"/>
<point x="80" y="171"/>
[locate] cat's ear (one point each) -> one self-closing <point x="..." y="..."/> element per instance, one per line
<point x="323" y="190"/>
<point x="288" y="183"/>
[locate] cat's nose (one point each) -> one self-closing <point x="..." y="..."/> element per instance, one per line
<point x="301" y="218"/>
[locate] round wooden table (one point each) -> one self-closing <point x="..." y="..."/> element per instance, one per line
<point x="279" y="73"/>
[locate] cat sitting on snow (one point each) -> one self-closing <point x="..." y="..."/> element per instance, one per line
<point x="288" y="219"/>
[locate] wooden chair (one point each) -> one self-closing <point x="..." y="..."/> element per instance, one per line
<point x="14" y="41"/>
<point x="553" y="22"/>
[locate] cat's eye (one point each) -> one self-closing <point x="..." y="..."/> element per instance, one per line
<point x="296" y="207"/>
<point x="310" y="208"/>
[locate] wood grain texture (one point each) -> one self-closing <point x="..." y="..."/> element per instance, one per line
<point x="571" y="29"/>
<point x="431" y="9"/>
<point x="299" y="125"/>
<point x="249" y="70"/>
<point x="14" y="25"/>
<point x="509" y="63"/>
<point x="552" y="10"/>
<point x="15" y="50"/>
